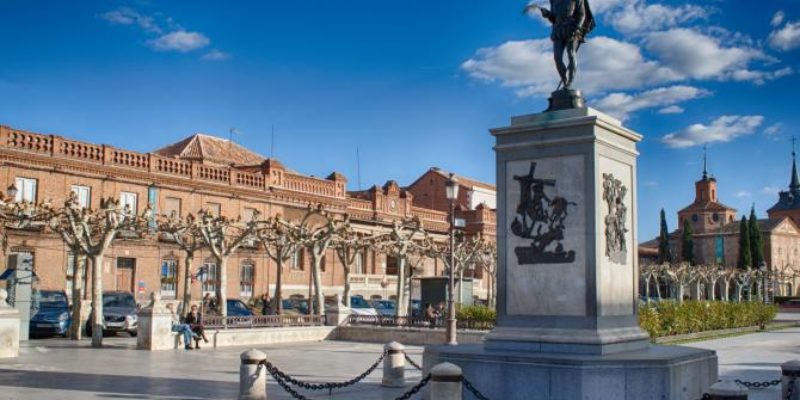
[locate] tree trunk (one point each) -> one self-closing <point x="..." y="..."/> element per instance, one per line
<point x="278" y="286"/>
<point x="222" y="286"/>
<point x="97" y="301"/>
<point x="697" y="290"/>
<point x="187" y="282"/>
<point x="679" y="293"/>
<point x="77" y="297"/>
<point x="316" y="272"/>
<point x="712" y="285"/>
<point x="400" y="309"/>
<point x="346" y="286"/>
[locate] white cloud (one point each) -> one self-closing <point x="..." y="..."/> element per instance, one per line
<point x="216" y="55"/>
<point x="777" y="19"/>
<point x="773" y="129"/>
<point x="773" y="190"/>
<point x="742" y="193"/>
<point x="695" y="55"/>
<point x="722" y="129"/>
<point x="129" y="16"/>
<point x="637" y="16"/>
<point x="179" y="41"/>
<point x="650" y="183"/>
<point x="671" y="110"/>
<point x="605" y="64"/>
<point x="621" y="105"/>
<point x="786" y="38"/>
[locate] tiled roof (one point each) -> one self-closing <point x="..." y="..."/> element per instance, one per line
<point x="707" y="206"/>
<point x="464" y="181"/>
<point x="206" y="148"/>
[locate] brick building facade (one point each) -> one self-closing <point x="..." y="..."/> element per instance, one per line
<point x="205" y="172"/>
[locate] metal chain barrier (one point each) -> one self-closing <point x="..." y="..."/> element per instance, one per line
<point x="470" y="388"/>
<point x="415" y="389"/>
<point x="413" y="364"/>
<point x="284" y="377"/>
<point x="758" y="385"/>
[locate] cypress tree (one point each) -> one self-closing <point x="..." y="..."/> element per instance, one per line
<point x="664" y="255"/>
<point x="687" y="243"/>
<point x="745" y="258"/>
<point x="756" y="241"/>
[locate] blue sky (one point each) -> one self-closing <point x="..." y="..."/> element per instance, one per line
<point x="413" y="84"/>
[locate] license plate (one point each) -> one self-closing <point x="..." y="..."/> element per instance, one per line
<point x="114" y="324"/>
<point x="43" y="325"/>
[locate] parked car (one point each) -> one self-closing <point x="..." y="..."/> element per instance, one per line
<point x="359" y="306"/>
<point x="384" y="307"/>
<point x="295" y="307"/>
<point x="119" y="313"/>
<point x="237" y="308"/>
<point x="53" y="315"/>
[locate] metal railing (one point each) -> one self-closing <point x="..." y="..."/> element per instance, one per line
<point x="262" y="321"/>
<point x="415" y="322"/>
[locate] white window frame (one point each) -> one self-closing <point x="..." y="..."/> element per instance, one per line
<point x="170" y="290"/>
<point x="129" y="199"/>
<point x="83" y="194"/>
<point x="209" y="284"/>
<point x="180" y="205"/>
<point x="26" y="189"/>
<point x="246" y="287"/>
<point x="360" y="263"/>
<point x="296" y="260"/>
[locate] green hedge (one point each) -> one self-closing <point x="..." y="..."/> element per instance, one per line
<point x="476" y="314"/>
<point x="667" y="318"/>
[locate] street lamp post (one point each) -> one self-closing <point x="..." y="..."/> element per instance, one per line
<point x="451" y="187"/>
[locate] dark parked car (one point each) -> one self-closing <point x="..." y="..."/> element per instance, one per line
<point x="384" y="308"/>
<point x="295" y="307"/>
<point x="237" y="308"/>
<point x="119" y="314"/>
<point x="53" y="316"/>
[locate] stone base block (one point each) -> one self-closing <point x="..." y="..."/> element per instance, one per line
<point x="655" y="373"/>
<point x="9" y="332"/>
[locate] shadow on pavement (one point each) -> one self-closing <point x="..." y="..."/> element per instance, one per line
<point x="119" y="386"/>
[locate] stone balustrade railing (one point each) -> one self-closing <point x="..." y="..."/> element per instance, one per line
<point x="62" y="148"/>
<point x="57" y="146"/>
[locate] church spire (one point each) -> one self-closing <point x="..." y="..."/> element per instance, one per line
<point x="705" y="163"/>
<point x="794" y="186"/>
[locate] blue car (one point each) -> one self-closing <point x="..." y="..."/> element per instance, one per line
<point x="237" y="308"/>
<point x="53" y="316"/>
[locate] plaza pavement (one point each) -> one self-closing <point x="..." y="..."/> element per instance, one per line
<point x="62" y="369"/>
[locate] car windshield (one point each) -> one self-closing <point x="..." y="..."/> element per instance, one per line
<point x="358" y="302"/>
<point x="387" y="305"/>
<point x="52" y="299"/>
<point x="236" y="304"/>
<point x="118" y="300"/>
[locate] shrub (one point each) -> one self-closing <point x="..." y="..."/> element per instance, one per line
<point x="476" y="313"/>
<point x="666" y="318"/>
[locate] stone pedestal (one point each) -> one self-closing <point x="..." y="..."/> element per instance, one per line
<point x="9" y="328"/>
<point x="154" y="331"/>
<point x="567" y="272"/>
<point x="337" y="315"/>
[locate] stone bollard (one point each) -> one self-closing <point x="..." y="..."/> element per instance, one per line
<point x="394" y="365"/>
<point x="9" y="328"/>
<point x="445" y="382"/>
<point x="338" y="314"/>
<point x="790" y="372"/>
<point x="252" y="376"/>
<point x="728" y="390"/>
